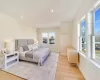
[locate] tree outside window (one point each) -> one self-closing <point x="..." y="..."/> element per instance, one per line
<point x="83" y="36"/>
<point x="48" y="38"/>
<point x="45" y="38"/>
<point x="51" y="38"/>
<point x="96" y="33"/>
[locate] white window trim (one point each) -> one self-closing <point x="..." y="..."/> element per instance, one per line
<point x="90" y="55"/>
<point x="93" y="36"/>
<point x="48" y="38"/>
<point x="92" y="58"/>
<point x="93" y="47"/>
<point x="80" y="36"/>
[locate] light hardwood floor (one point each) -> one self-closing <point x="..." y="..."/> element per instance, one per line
<point x="67" y="72"/>
<point x="64" y="72"/>
<point x="7" y="76"/>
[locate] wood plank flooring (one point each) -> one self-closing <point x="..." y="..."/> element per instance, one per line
<point x="64" y="72"/>
<point x="67" y="72"/>
<point x="7" y="76"/>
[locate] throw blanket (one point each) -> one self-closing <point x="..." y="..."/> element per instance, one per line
<point x="29" y="54"/>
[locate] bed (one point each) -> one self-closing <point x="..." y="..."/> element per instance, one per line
<point x="28" y="51"/>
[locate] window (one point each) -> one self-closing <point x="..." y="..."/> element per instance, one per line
<point x="83" y="36"/>
<point x="45" y="38"/>
<point x="96" y="35"/>
<point x="51" y="38"/>
<point x="48" y="38"/>
<point x="89" y="37"/>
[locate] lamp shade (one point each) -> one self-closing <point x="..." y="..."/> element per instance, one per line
<point x="9" y="45"/>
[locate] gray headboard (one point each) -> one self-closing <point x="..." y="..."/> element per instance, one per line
<point x="22" y="42"/>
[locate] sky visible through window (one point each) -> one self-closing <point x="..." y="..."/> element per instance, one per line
<point x="83" y="27"/>
<point x="97" y="21"/>
<point x="97" y="34"/>
<point x="51" y="34"/>
<point x="44" y="35"/>
<point x="83" y="34"/>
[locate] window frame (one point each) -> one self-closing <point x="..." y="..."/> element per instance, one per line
<point x="48" y="36"/>
<point x="80" y="37"/>
<point x="90" y="27"/>
<point x="93" y="54"/>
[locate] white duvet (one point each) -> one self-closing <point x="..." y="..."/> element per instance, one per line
<point x="39" y="55"/>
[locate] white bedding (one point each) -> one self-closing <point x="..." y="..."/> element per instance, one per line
<point x="39" y="55"/>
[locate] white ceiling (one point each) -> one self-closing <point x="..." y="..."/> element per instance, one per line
<point x="38" y="12"/>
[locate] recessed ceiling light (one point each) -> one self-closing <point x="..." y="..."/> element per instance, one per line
<point x="52" y="10"/>
<point x="21" y="17"/>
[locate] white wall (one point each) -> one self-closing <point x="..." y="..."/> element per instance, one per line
<point x="63" y="36"/>
<point x="89" y="70"/>
<point x="11" y="29"/>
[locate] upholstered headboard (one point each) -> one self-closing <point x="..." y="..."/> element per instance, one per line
<point x="22" y="42"/>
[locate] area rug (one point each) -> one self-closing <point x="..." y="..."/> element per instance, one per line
<point x="31" y="71"/>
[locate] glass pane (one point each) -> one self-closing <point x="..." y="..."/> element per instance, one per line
<point x="51" y="38"/>
<point x="83" y="34"/>
<point x="97" y="34"/>
<point x="45" y="38"/>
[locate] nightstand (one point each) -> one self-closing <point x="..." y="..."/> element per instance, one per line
<point x="9" y="60"/>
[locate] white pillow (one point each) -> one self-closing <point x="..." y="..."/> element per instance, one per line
<point x="30" y="47"/>
<point x="21" y="49"/>
<point x="34" y="47"/>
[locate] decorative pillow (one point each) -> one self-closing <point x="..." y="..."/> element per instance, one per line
<point x="25" y="48"/>
<point x="21" y="49"/>
<point x="34" y="47"/>
<point x="30" y="47"/>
